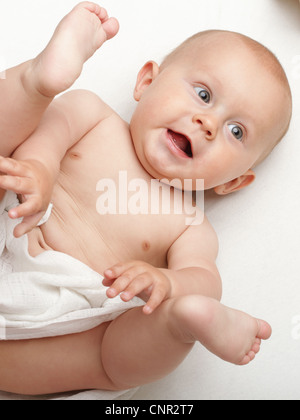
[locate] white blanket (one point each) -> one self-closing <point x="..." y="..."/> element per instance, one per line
<point x="49" y="295"/>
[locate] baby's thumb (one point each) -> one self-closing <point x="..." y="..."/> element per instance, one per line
<point x="27" y="224"/>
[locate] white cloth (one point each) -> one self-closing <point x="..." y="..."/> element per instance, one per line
<point x="49" y="295"/>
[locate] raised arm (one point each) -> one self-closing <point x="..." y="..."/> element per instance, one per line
<point x="36" y="163"/>
<point x="64" y="123"/>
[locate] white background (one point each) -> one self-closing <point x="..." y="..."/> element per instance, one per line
<point x="259" y="228"/>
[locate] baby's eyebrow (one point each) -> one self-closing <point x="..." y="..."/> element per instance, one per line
<point x="210" y="79"/>
<point x="216" y="82"/>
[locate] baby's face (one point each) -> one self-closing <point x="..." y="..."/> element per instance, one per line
<point x="207" y="115"/>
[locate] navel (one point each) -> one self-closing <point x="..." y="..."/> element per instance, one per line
<point x="146" y="246"/>
<point x="74" y="155"/>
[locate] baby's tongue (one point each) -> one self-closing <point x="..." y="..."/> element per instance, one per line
<point x="180" y="141"/>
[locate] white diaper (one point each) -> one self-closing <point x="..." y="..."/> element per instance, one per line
<point x="49" y="295"/>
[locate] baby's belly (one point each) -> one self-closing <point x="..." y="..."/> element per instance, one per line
<point x="77" y="239"/>
<point x="101" y="241"/>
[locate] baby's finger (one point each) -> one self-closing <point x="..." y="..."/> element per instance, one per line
<point x="106" y="282"/>
<point x="12" y="167"/>
<point x="156" y="298"/>
<point x="131" y="268"/>
<point x="137" y="286"/>
<point x="122" y="274"/>
<point x="118" y="286"/>
<point x="27" y="225"/>
<point x="29" y="208"/>
<point x="17" y="184"/>
<point x="113" y="272"/>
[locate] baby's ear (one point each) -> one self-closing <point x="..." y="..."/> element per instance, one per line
<point x="145" y="77"/>
<point x="236" y="184"/>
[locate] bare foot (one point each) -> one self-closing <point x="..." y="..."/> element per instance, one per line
<point x="232" y="335"/>
<point x="75" y="40"/>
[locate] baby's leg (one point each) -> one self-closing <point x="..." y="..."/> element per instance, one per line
<point x="132" y="350"/>
<point x="78" y="36"/>
<point x="142" y="348"/>
<point x="54" y="364"/>
<point x="21" y="107"/>
<point x="30" y="87"/>
<point x="138" y="349"/>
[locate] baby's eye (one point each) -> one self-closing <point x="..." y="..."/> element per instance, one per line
<point x="236" y="131"/>
<point x="203" y="94"/>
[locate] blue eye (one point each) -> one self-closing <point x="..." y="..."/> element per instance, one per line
<point x="203" y="94"/>
<point x="236" y="131"/>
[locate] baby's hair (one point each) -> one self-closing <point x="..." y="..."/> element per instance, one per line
<point x="266" y="58"/>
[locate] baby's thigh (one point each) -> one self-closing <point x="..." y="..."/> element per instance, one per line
<point x="54" y="364"/>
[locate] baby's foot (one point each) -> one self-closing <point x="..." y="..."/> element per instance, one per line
<point x="232" y="335"/>
<point x="75" y="40"/>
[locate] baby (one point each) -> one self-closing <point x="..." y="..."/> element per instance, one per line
<point x="212" y="111"/>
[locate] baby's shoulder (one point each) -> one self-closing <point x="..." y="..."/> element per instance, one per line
<point x="203" y="233"/>
<point x="110" y="125"/>
<point x="91" y="102"/>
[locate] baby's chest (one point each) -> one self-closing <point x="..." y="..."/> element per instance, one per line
<point x="101" y="156"/>
<point x="128" y="213"/>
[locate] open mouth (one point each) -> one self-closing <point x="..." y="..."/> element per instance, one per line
<point x="181" y="142"/>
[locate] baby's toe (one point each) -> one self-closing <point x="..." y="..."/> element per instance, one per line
<point x="264" y="330"/>
<point x="111" y="27"/>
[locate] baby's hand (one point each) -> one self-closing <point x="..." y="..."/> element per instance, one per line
<point x="137" y="278"/>
<point x="32" y="181"/>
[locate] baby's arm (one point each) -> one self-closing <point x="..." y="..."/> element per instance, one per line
<point x="36" y="163"/>
<point x="192" y="262"/>
<point x="191" y="270"/>
<point x="65" y="122"/>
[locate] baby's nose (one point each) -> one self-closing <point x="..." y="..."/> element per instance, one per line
<point x="207" y="124"/>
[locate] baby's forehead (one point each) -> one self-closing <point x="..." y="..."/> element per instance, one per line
<point x="219" y="61"/>
<point x="213" y="39"/>
<point x="231" y="46"/>
<point x="212" y="53"/>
